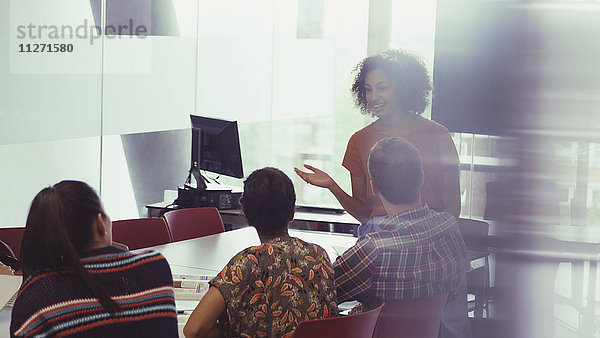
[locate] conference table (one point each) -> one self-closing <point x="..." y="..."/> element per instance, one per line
<point x="576" y="245"/>
<point x="212" y="253"/>
<point x="208" y="255"/>
<point x="5" y="322"/>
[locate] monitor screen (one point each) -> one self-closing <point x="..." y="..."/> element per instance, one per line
<point x="216" y="146"/>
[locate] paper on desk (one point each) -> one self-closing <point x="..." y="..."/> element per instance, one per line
<point x="190" y="287"/>
<point x="339" y="250"/>
<point x="9" y="285"/>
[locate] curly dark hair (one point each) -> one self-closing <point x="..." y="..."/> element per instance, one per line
<point x="268" y="201"/>
<point x="408" y="73"/>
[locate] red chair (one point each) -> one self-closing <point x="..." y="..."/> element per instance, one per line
<point x="141" y="233"/>
<point x="12" y="237"/>
<point x="195" y="222"/>
<point x="353" y="326"/>
<point x="419" y="317"/>
<point x="7" y="257"/>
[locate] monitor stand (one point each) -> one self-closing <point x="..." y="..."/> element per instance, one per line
<point x="200" y="180"/>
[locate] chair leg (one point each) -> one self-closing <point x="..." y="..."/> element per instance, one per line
<point x="479" y="304"/>
<point x="486" y="289"/>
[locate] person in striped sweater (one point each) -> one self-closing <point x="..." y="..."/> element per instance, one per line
<point x="77" y="284"/>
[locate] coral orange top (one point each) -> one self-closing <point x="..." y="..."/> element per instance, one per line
<point x="438" y="154"/>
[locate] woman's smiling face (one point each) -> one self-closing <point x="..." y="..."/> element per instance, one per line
<point x="380" y="93"/>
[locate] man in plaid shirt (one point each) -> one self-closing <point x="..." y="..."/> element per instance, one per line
<point x="418" y="253"/>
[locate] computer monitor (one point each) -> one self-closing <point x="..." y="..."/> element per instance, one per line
<point x="215" y="147"/>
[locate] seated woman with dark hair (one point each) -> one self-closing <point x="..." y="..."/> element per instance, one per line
<point x="76" y="283"/>
<point x="267" y="290"/>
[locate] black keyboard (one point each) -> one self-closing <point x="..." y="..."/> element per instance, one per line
<point x="318" y="209"/>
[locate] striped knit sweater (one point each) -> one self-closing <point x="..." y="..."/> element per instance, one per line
<point x="57" y="303"/>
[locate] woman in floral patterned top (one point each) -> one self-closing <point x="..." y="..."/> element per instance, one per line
<point x="266" y="290"/>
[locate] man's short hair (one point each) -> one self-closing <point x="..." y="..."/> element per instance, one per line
<point x="395" y="169"/>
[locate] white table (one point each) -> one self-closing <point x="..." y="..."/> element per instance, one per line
<point x="559" y="243"/>
<point x="208" y="255"/>
<point x="214" y="252"/>
<point x="5" y="322"/>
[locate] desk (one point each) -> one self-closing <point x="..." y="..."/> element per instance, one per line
<point x="208" y="255"/>
<point x="5" y="322"/>
<point x="301" y="219"/>
<point x="214" y="252"/>
<point x="532" y="247"/>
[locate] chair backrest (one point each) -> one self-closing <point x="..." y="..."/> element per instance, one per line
<point x="195" y="222"/>
<point x="419" y="317"/>
<point x="12" y="237"/>
<point x="141" y="233"/>
<point x="474" y="233"/>
<point x="7" y="257"/>
<point x="353" y="326"/>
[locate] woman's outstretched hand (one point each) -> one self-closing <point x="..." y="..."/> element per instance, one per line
<point x="317" y="177"/>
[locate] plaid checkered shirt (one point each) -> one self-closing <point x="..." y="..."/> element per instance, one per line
<point x="419" y="253"/>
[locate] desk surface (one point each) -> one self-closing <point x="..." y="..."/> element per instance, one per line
<point x="559" y="242"/>
<point x="214" y="252"/>
<point x="5" y="323"/>
<point x="208" y="255"/>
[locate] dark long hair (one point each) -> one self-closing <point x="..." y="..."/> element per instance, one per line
<point x="59" y="227"/>
<point x="268" y="201"/>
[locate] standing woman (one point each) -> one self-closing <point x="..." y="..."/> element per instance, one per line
<point x="394" y="87"/>
<point x="76" y="283"/>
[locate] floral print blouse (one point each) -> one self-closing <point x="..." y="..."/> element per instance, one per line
<point x="270" y="288"/>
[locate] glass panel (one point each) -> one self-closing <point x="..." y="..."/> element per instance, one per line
<point x="413" y="28"/>
<point x="593" y="200"/>
<point x="50" y="101"/>
<point x="291" y="94"/>
<point x="149" y="92"/>
<point x="490" y="160"/>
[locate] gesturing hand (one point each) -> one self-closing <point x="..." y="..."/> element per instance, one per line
<point x="317" y="177"/>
